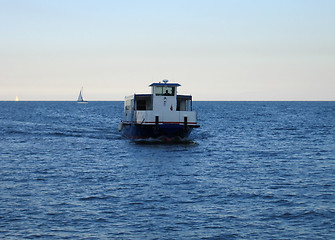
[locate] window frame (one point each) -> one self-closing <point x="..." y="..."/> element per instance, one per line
<point x="161" y="90"/>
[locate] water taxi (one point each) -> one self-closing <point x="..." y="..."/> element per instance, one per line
<point x="160" y="115"/>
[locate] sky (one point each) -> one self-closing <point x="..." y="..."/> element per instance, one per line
<point x="229" y="50"/>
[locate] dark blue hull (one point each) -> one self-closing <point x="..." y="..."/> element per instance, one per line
<point x="162" y="131"/>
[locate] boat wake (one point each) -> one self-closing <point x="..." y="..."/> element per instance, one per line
<point x="165" y="140"/>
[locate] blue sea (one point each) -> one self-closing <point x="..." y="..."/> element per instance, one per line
<point x="253" y="170"/>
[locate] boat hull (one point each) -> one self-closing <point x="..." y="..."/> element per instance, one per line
<point x="161" y="131"/>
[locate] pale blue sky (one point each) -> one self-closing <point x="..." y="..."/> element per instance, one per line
<point x="217" y="50"/>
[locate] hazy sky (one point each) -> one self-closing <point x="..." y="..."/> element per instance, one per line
<point x="217" y="50"/>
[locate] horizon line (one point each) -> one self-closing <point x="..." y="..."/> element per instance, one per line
<point x="193" y="101"/>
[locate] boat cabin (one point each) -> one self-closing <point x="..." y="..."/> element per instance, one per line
<point x="161" y="92"/>
<point x="163" y="108"/>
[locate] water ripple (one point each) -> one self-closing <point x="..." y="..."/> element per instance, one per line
<point x="254" y="170"/>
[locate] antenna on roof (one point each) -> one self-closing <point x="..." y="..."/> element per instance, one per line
<point x="165" y="81"/>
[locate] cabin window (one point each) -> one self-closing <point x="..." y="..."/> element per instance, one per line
<point x="184" y="103"/>
<point x="141" y="105"/>
<point x="165" y="91"/>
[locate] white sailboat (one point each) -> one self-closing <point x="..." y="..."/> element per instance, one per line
<point x="80" y="97"/>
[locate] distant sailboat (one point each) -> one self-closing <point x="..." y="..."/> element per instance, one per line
<point x="80" y="97"/>
<point x="16" y="99"/>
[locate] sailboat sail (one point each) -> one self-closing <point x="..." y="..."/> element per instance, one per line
<point x="80" y="97"/>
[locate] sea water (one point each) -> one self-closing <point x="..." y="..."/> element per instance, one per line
<point x="253" y="170"/>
